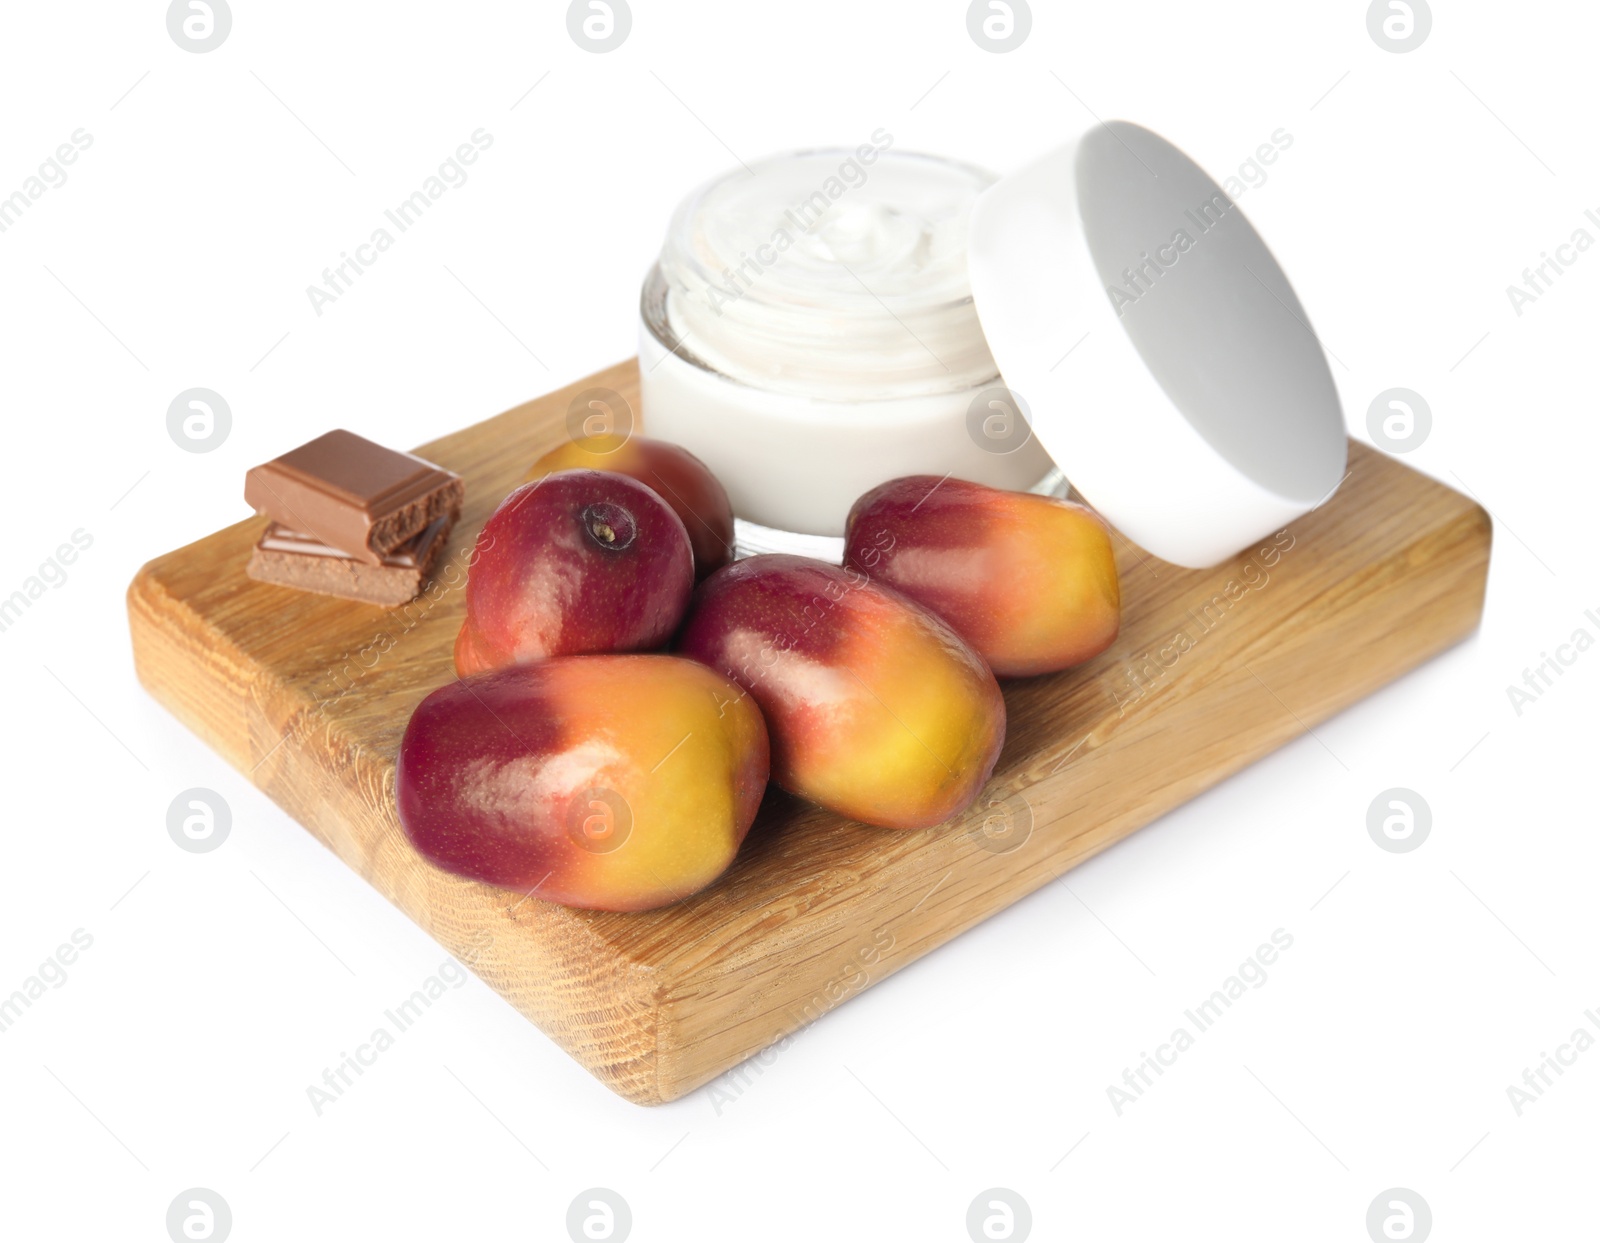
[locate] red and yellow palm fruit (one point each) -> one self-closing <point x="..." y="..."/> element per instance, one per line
<point x="615" y="783"/>
<point x="581" y="562"/>
<point x="1029" y="581"/>
<point x="876" y="708"/>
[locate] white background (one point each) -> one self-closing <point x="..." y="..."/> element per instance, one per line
<point x="1419" y="986"/>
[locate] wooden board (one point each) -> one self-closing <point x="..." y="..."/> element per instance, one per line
<point x="309" y="696"/>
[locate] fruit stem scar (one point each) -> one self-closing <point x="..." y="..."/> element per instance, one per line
<point x="610" y="526"/>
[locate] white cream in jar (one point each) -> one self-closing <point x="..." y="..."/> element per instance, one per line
<point x="809" y="332"/>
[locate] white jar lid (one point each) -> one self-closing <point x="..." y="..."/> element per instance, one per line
<point x="1164" y="361"/>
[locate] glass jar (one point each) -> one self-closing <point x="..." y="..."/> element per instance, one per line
<point x="809" y="332"/>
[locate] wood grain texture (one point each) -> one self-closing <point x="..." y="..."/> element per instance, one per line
<point x="308" y="696"/>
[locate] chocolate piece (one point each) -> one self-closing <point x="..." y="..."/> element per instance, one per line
<point x="353" y="495"/>
<point x="294" y="559"/>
